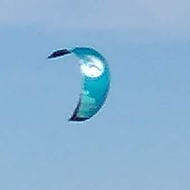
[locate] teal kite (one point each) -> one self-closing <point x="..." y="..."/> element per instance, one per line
<point x="96" y="81"/>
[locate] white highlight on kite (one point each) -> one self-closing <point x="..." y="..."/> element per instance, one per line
<point x="92" y="68"/>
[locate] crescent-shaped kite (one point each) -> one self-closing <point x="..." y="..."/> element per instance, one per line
<point x="96" y="81"/>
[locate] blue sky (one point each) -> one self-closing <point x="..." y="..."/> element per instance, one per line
<point x="139" y="140"/>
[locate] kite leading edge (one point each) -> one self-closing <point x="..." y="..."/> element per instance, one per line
<point x="96" y="81"/>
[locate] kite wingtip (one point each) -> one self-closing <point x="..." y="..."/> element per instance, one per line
<point x="59" y="53"/>
<point x="77" y="119"/>
<point x="49" y="56"/>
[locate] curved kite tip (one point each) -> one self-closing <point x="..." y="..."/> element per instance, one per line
<point x="59" y="53"/>
<point x="78" y="118"/>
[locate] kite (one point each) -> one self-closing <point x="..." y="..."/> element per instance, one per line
<point x="95" y="81"/>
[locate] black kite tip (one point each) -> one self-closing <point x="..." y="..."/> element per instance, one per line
<point x="59" y="53"/>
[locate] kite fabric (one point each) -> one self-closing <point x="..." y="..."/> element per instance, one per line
<point x="95" y="81"/>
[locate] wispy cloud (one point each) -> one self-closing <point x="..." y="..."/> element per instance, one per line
<point x="99" y="14"/>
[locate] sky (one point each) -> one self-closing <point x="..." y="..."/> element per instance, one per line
<point x="139" y="139"/>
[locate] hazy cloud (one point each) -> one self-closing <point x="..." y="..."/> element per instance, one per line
<point x="98" y="14"/>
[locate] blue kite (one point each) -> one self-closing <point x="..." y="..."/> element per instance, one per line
<point x="96" y="81"/>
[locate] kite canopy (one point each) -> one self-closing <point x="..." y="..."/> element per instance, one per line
<point x="96" y="81"/>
